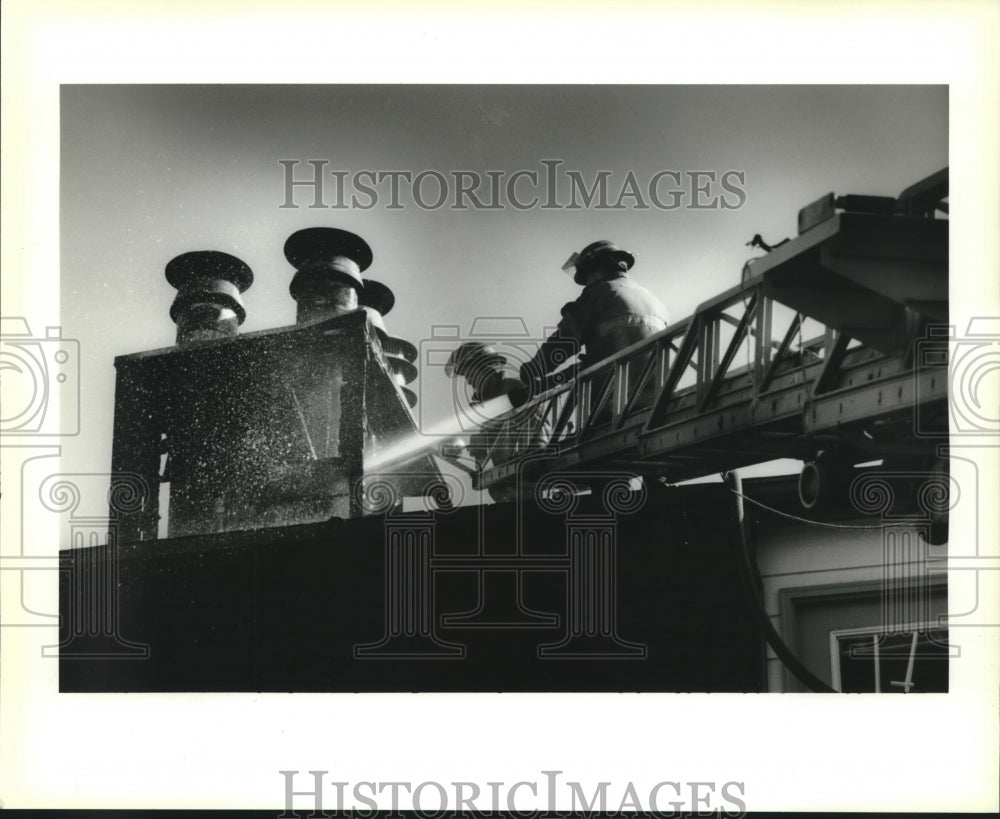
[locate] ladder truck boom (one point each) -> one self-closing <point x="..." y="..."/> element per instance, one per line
<point x="736" y="383"/>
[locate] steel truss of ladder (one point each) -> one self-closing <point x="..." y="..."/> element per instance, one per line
<point x="736" y="383"/>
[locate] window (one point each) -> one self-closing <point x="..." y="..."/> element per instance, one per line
<point x="914" y="660"/>
<point x="832" y="628"/>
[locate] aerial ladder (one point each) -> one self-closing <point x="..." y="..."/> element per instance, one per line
<point x="832" y="350"/>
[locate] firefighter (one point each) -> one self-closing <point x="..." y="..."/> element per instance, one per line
<point x="612" y="313"/>
<point x="483" y="370"/>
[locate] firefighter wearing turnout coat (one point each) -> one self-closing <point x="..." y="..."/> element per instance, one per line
<point x="484" y="372"/>
<point x="612" y="313"/>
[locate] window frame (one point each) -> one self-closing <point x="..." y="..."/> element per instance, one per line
<point x="790" y="597"/>
<point x="922" y="626"/>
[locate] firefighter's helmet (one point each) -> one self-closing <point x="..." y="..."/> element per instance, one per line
<point x="471" y="356"/>
<point x="597" y="250"/>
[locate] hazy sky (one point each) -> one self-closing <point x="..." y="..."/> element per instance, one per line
<point x="149" y="172"/>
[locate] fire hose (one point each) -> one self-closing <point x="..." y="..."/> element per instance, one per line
<point x="756" y="604"/>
